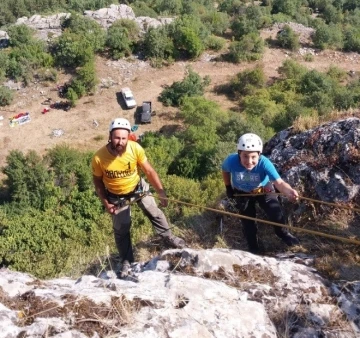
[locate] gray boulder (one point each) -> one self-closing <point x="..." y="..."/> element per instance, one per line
<point x="322" y="162"/>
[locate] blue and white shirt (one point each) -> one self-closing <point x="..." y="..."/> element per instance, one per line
<point x="247" y="180"/>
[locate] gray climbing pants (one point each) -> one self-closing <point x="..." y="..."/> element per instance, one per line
<point x="122" y="221"/>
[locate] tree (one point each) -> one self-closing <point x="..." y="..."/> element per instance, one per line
<point x="168" y="7"/>
<point x="287" y="38"/>
<point x="28" y="180"/>
<point x="328" y="36"/>
<point x="192" y="85"/>
<point x="87" y="76"/>
<point x="88" y="29"/>
<point x="6" y="96"/>
<point x="249" y="48"/>
<point x="157" y="44"/>
<point x="189" y="42"/>
<point x="288" y="7"/>
<point x="189" y="35"/>
<point x="72" y="50"/>
<point x="20" y="35"/>
<point x="217" y="22"/>
<point x="290" y="69"/>
<point x="202" y="118"/>
<point x="247" y="81"/>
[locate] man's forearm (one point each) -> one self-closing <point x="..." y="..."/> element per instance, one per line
<point x="154" y="180"/>
<point x="100" y="190"/>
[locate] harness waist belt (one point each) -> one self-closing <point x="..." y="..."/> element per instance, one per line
<point x="258" y="190"/>
<point x="128" y="195"/>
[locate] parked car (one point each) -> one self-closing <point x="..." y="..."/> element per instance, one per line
<point x="128" y="97"/>
<point x="145" y="114"/>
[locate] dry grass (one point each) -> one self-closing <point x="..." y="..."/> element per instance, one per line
<point x="303" y="123"/>
<point x="287" y="322"/>
<point x="83" y="314"/>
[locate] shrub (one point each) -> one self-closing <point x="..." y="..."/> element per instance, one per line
<point x="157" y="44"/>
<point x="328" y="36"/>
<point x="88" y="29"/>
<point x="6" y="96"/>
<point x="118" y="42"/>
<point x="287" y="38"/>
<point x="260" y="105"/>
<point x="308" y="57"/>
<point x="72" y="50"/>
<point x="352" y="39"/>
<point x="192" y="85"/>
<point x="215" y="43"/>
<point x="248" y="81"/>
<point x="188" y="34"/>
<point x="217" y="22"/>
<point x="314" y="81"/>
<point x="141" y="8"/>
<point x="72" y="96"/>
<point x="249" y="48"/>
<point x="242" y="26"/>
<point x="287" y="7"/>
<point x="290" y="69"/>
<point x="20" y="35"/>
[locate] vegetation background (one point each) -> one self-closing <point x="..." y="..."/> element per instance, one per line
<point x="52" y="223"/>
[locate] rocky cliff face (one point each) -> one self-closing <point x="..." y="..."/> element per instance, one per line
<point x="323" y="162"/>
<point x="205" y="293"/>
<point x="210" y="293"/>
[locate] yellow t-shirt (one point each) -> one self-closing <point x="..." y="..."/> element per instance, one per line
<point x="120" y="174"/>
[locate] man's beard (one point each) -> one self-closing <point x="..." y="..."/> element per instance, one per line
<point x="118" y="148"/>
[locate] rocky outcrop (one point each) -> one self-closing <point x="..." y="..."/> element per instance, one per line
<point x="323" y="162"/>
<point x="50" y="26"/>
<point x="45" y="27"/>
<point x="206" y="293"/>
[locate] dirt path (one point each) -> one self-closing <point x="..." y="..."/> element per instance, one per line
<point x="146" y="83"/>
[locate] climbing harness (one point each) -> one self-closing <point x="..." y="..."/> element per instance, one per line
<point x="123" y="201"/>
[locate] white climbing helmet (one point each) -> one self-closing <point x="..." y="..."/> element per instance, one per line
<point x="250" y="142"/>
<point x="120" y="123"/>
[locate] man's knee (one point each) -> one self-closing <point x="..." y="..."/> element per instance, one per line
<point x="149" y="206"/>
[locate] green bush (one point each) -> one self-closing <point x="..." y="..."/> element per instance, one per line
<point x="118" y="42"/>
<point x="192" y="85"/>
<point x="188" y="34"/>
<point x="6" y="96"/>
<point x="290" y="69"/>
<point x="247" y="81"/>
<point x="260" y="105"/>
<point x="88" y="29"/>
<point x="216" y="22"/>
<point x="328" y="36"/>
<point x="158" y="45"/>
<point x="28" y="180"/>
<point x="215" y="43"/>
<point x="352" y="39"/>
<point x="20" y="35"/>
<point x="72" y="50"/>
<point x="288" y="39"/>
<point x="249" y="48"/>
<point x="308" y="57"/>
<point x="287" y="7"/>
<point x="241" y="26"/>
<point x="141" y="8"/>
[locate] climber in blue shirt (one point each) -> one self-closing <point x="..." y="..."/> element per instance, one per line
<point x="249" y="172"/>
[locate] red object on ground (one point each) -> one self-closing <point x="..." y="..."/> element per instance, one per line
<point x="45" y="110"/>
